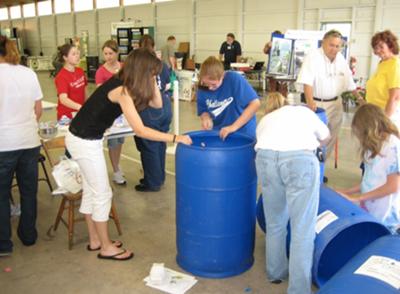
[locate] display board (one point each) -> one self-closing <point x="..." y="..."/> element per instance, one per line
<point x="288" y="51"/>
<point x="301" y="49"/>
<point x="128" y="39"/>
<point x="280" y="55"/>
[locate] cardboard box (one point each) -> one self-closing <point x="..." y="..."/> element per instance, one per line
<point x="190" y="65"/>
<point x="184" y="47"/>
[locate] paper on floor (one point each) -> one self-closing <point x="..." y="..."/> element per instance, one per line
<point x="175" y="282"/>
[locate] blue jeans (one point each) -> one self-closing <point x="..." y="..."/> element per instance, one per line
<point x="152" y="153"/>
<point x="290" y="187"/>
<point x="24" y="163"/>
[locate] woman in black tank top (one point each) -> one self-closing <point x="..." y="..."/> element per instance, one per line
<point x="132" y="90"/>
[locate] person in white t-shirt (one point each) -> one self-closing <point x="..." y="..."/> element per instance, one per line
<point x="287" y="137"/>
<point x="379" y="191"/>
<point x="325" y="75"/>
<point x="20" y="108"/>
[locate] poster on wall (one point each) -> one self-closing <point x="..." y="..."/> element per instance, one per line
<point x="280" y="55"/>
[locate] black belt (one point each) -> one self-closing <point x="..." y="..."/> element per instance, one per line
<point x="326" y="100"/>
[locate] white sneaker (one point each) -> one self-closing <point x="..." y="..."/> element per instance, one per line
<point x="118" y="178"/>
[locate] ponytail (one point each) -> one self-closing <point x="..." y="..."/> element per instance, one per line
<point x="63" y="52"/>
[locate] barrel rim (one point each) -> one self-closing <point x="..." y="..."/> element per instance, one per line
<point x="213" y="132"/>
<point x="335" y="231"/>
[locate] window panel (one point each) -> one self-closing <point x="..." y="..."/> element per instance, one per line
<point x="44" y="8"/>
<point x="107" y="3"/>
<point x="15" y="12"/>
<point x="83" y="5"/>
<point x="62" y="6"/>
<point x="136" y="2"/>
<point x="3" y="13"/>
<point x="29" y="10"/>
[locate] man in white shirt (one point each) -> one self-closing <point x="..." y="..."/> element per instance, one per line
<point x="325" y="75"/>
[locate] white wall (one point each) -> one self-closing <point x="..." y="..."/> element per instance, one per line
<point x="173" y="18"/>
<point x="86" y="21"/>
<point x="213" y="20"/>
<point x="205" y="23"/>
<point x="48" y="39"/>
<point x="261" y="18"/>
<point x="104" y="19"/>
<point x="65" y="27"/>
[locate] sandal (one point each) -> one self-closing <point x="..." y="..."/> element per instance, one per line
<point x="98" y="248"/>
<point x="114" y="257"/>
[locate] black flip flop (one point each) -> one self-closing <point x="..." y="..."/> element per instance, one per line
<point x="114" y="257"/>
<point x="98" y="248"/>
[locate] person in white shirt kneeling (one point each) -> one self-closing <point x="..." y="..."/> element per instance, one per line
<point x="288" y="168"/>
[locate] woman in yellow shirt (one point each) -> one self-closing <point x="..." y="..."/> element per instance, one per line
<point x="383" y="88"/>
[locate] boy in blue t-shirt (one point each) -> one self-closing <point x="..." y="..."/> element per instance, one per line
<point x="225" y="100"/>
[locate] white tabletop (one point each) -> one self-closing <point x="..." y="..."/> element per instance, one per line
<point x="112" y="133"/>
<point x="46" y="105"/>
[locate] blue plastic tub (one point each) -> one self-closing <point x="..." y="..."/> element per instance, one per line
<point x="341" y="239"/>
<point x="349" y="279"/>
<point x="216" y="187"/>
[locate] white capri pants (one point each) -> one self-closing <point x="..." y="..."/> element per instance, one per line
<point x="97" y="193"/>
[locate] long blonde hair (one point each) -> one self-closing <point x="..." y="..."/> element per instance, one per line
<point x="372" y="128"/>
<point x="275" y="100"/>
<point x="9" y="50"/>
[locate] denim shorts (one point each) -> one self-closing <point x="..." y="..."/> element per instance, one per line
<point x="115" y="142"/>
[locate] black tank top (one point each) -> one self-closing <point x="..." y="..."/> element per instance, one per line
<point x="98" y="113"/>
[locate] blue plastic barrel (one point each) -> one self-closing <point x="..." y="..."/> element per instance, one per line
<point x="338" y="242"/>
<point x="341" y="239"/>
<point x="349" y="279"/>
<point x="216" y="186"/>
<point x="320" y="112"/>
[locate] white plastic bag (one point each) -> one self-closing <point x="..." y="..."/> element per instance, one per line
<point x="67" y="175"/>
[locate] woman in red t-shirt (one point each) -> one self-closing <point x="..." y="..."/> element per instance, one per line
<point x="70" y="82"/>
<point x="110" y="67"/>
<point x="111" y="64"/>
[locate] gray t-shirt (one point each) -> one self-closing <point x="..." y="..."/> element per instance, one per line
<point x="166" y="52"/>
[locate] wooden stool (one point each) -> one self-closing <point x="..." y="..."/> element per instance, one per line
<point x="70" y="201"/>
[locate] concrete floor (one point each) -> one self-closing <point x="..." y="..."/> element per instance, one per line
<point x="148" y="224"/>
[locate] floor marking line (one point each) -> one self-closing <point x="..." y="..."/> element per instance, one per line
<point x="139" y="162"/>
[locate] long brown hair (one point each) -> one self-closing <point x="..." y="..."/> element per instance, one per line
<point x="63" y="51"/>
<point x="147" y="41"/>
<point x="138" y="74"/>
<point x="112" y="44"/>
<point x="372" y="128"/>
<point x="9" y="51"/>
